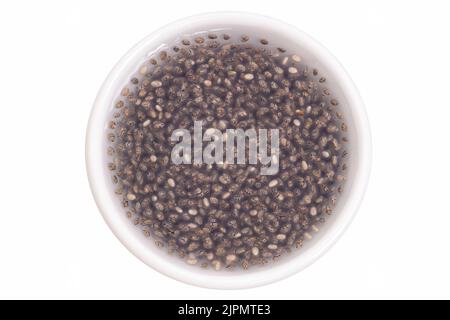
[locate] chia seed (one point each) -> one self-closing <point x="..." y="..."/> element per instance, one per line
<point x="227" y="216"/>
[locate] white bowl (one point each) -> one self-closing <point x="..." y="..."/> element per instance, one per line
<point x="315" y="55"/>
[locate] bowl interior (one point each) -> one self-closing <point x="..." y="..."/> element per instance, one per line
<point x="279" y="35"/>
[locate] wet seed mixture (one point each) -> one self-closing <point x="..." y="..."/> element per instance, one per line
<point x="224" y="216"/>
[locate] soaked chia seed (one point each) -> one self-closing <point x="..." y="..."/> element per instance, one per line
<point x="223" y="216"/>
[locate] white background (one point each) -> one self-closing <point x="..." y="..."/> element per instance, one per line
<point x="53" y="59"/>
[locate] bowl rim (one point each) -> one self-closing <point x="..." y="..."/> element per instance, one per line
<point x="271" y="274"/>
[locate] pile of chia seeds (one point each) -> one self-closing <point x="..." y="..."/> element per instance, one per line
<point x="225" y="216"/>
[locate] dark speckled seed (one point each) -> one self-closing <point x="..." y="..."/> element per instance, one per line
<point x="245" y="38"/>
<point x="227" y="216"/>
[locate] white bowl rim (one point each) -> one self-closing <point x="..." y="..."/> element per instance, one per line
<point x="271" y="274"/>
